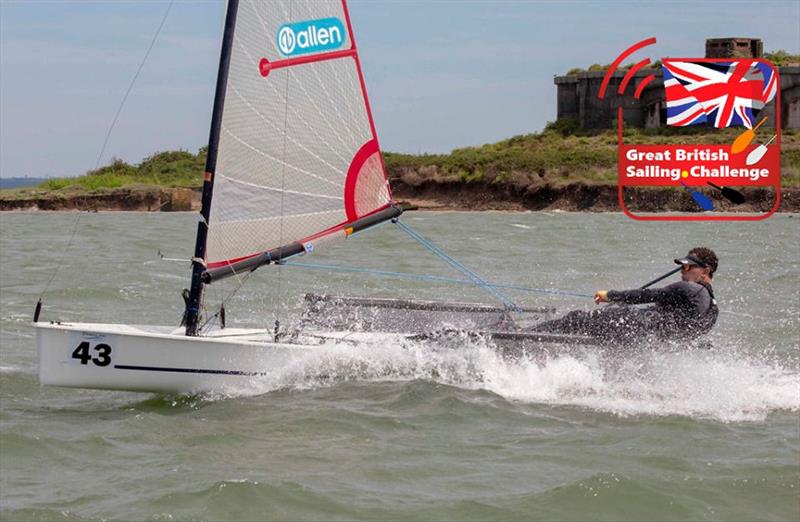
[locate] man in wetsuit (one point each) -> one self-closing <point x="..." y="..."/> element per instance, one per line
<point x="680" y="311"/>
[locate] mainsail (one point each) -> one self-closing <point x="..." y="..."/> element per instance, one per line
<point x="296" y="160"/>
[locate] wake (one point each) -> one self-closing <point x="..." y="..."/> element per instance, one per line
<point x="729" y="386"/>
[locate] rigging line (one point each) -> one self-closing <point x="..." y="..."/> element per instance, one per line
<point x="425" y="277"/>
<point x="265" y="220"/>
<point x="103" y="148"/>
<point x="508" y="303"/>
<point x="63" y="255"/>
<point x="741" y="314"/>
<point x="269" y="156"/>
<point x="297" y="115"/>
<point x="218" y="291"/>
<point x="241" y="280"/>
<point x="343" y="92"/>
<point x="133" y="81"/>
<point x="274" y="189"/>
<point x="332" y="102"/>
<point x="334" y="130"/>
<point x="283" y="194"/>
<point x="294" y="141"/>
<point x="313" y="129"/>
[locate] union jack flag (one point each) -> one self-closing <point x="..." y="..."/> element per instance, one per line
<point x="724" y="92"/>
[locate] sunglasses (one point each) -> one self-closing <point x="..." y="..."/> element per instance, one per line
<point x="686" y="267"/>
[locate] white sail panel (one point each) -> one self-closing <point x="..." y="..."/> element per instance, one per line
<point x="297" y="155"/>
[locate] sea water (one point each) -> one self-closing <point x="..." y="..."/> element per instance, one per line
<point x="399" y="431"/>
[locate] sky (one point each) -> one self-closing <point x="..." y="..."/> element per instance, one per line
<point x="440" y="74"/>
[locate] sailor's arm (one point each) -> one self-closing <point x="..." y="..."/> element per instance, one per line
<point x="671" y="293"/>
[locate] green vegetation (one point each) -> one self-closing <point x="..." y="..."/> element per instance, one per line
<point x="781" y="58"/>
<point x="561" y="154"/>
<point x="517" y="160"/>
<point x="603" y="67"/>
<point x="164" y="169"/>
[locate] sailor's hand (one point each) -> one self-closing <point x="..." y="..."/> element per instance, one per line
<point x="601" y="296"/>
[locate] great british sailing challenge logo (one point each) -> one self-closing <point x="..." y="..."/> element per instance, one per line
<point x="718" y="93"/>
<point x="310" y="36"/>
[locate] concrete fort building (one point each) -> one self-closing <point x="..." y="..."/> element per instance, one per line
<point x="577" y="93"/>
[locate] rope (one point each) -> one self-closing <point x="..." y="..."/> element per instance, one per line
<point x="105" y="143"/>
<point x="277" y="293"/>
<point x="130" y="87"/>
<point x="63" y="255"/>
<point x="419" y="277"/>
<point x="241" y="281"/>
<point x="476" y="279"/>
<point x="423" y="277"/>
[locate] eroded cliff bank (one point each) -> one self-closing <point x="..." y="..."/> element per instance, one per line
<point x="132" y="198"/>
<point x="580" y="196"/>
<point x="431" y="195"/>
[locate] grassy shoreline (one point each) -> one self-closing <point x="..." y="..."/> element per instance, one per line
<point x="558" y="157"/>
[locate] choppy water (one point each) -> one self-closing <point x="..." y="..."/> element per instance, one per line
<point x="412" y="432"/>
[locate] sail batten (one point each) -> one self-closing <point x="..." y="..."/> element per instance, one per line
<point x="277" y="189"/>
<point x="275" y="127"/>
<point x="266" y="220"/>
<point x="298" y="158"/>
<point x="282" y="163"/>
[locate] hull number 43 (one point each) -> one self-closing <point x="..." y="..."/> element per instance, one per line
<point x="100" y="354"/>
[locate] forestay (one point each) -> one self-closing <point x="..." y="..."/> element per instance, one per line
<point x="298" y="159"/>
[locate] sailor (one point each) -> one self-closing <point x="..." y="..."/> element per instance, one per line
<point x="680" y="311"/>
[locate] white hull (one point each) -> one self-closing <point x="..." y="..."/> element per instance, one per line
<point x="163" y="359"/>
<point x="156" y="358"/>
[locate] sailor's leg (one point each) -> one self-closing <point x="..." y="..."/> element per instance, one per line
<point x="612" y="322"/>
<point x="622" y="324"/>
<point x="575" y="322"/>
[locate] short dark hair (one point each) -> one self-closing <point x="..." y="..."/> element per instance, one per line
<point x="707" y="256"/>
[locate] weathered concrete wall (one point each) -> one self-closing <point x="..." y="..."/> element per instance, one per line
<point x="581" y="91"/>
<point x="593" y="112"/>
<point x="790" y="119"/>
<point x="654" y="108"/>
<point x="567" y="97"/>
<point x="790" y="97"/>
<point x="578" y="98"/>
<point x="734" y="48"/>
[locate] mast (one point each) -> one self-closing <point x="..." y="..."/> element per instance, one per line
<point x="198" y="261"/>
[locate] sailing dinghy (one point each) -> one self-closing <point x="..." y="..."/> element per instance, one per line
<point x="293" y="164"/>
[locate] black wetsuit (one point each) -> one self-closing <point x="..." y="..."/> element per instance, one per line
<point x="680" y="311"/>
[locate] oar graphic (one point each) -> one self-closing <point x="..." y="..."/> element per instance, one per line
<point x="699" y="198"/>
<point x="732" y="195"/>
<point x="744" y="139"/>
<point x="758" y="153"/>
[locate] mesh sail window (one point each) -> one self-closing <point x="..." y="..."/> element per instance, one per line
<point x="298" y="158"/>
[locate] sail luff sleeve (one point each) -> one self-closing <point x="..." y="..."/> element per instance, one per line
<point x="196" y="292"/>
<point x="292" y="249"/>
